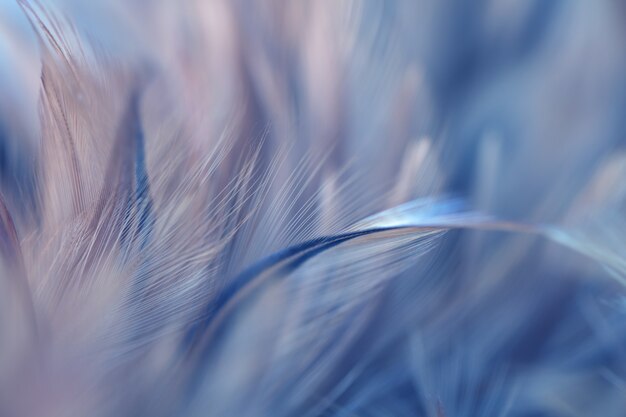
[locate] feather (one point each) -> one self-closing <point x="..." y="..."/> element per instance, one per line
<point x="274" y="208"/>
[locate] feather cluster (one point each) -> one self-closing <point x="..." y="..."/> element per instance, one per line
<point x="328" y="208"/>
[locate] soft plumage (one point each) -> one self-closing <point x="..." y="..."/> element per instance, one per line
<point x="324" y="208"/>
